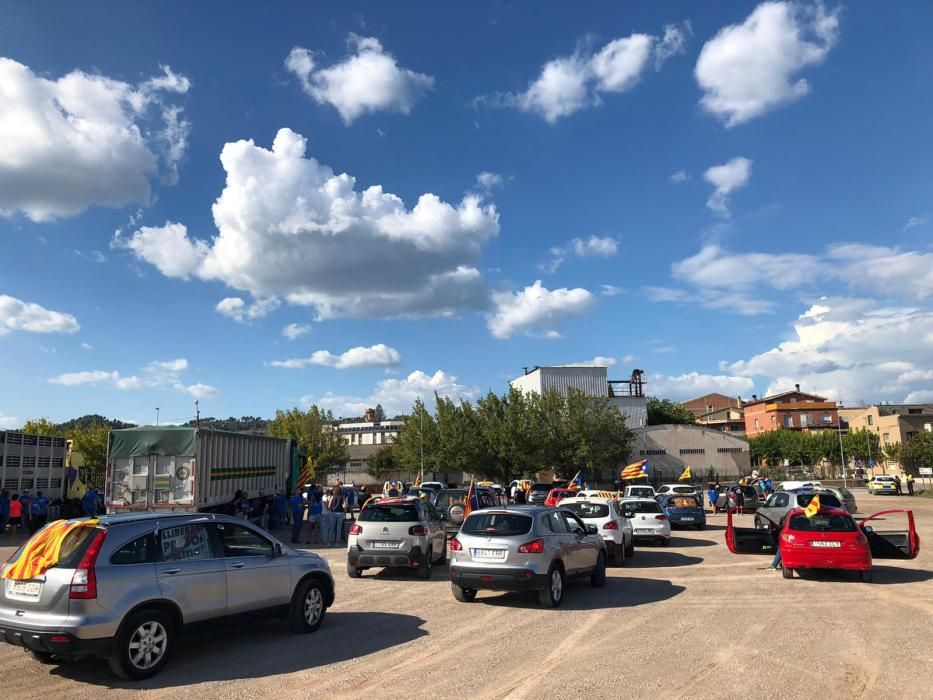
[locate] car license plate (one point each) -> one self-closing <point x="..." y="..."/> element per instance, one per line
<point x="826" y="543"/>
<point x="643" y="529"/>
<point x="488" y="553"/>
<point x="687" y="519"/>
<point x="385" y="544"/>
<point x="29" y="589"/>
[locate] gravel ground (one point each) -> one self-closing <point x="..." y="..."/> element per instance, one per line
<point x="689" y="620"/>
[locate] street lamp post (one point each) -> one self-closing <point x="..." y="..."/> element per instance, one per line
<point x="157" y="415"/>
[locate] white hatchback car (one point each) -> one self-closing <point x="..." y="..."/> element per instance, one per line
<point x="606" y="514"/>
<point x="642" y="491"/>
<point x="678" y="489"/>
<point x="648" y="520"/>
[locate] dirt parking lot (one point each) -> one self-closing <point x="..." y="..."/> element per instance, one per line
<point x="689" y="620"/>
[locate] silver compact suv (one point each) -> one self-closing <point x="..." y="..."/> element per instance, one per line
<point x="524" y="548"/>
<point x="397" y="532"/>
<point x="124" y="587"/>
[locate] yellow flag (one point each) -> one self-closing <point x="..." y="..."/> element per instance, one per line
<point x="813" y="508"/>
<point x="686" y="476"/>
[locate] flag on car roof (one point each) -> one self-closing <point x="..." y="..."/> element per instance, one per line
<point x="576" y="482"/>
<point x="813" y="508"/>
<point x="636" y="470"/>
<point x="472" y="501"/>
<point x="686" y="476"/>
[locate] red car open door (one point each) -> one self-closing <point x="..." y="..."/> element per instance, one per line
<point x="890" y="543"/>
<point x="748" y="540"/>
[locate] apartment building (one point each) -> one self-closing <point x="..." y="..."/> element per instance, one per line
<point x="790" y="410"/>
<point x="893" y="424"/>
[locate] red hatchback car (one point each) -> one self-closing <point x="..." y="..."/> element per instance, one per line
<point x="831" y="539"/>
<point x="555" y="496"/>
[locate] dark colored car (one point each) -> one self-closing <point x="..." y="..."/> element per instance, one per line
<point x="683" y="510"/>
<point x="538" y="493"/>
<point x="451" y="505"/>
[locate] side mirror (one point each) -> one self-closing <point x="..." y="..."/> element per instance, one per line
<point x="592" y="530"/>
<point x="867" y="529"/>
<point x="279" y="550"/>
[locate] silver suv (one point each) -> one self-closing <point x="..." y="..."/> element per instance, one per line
<point x="123" y="589"/>
<point x="524" y="548"/>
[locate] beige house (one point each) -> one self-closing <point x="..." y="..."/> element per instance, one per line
<point x="894" y="424"/>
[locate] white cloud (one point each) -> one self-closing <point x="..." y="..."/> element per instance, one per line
<point x="610" y="290"/>
<point x="199" y="391"/>
<point x="604" y="247"/>
<point x="87" y="346"/>
<point x="679" y="176"/>
<point x="568" y="84"/>
<point x="917" y="221"/>
<point x="727" y="178"/>
<point x="9" y="422"/>
<point x="378" y="355"/>
<point x="293" y="331"/>
<point x="87" y="377"/>
<point x="628" y="359"/>
<point x="17" y="315"/>
<point x="850" y="349"/>
<point x="368" y="80"/>
<point x="487" y="182"/>
<point x="751" y="68"/>
<point x="166" y="247"/>
<point x="238" y="310"/>
<point x="925" y="396"/>
<point x="536" y="309"/>
<point x="291" y="228"/>
<point x="685" y="386"/>
<point x="398" y="395"/>
<point x="84" y="139"/>
<point x="156" y="375"/>
<point x="598" y="361"/>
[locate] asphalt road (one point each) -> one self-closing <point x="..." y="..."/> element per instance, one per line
<point x="689" y="620"/>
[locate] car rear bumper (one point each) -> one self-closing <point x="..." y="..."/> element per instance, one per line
<point x="694" y="520"/>
<point x="60" y="642"/>
<point x="498" y="579"/>
<point x="363" y="559"/>
<point x="845" y="562"/>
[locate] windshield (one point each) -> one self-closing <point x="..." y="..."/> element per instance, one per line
<point x="822" y="523"/>
<point x="541" y="487"/>
<point x="642" y="507"/>
<point x="587" y="511"/>
<point x="496" y="524"/>
<point x="389" y="514"/>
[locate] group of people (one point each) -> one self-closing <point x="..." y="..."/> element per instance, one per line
<point x="325" y="513"/>
<point x="909" y="480"/>
<point x="24" y="512"/>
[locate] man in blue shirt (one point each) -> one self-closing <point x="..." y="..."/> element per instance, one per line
<point x="278" y="510"/>
<point x="26" y="501"/>
<point x="297" y="503"/>
<point x="39" y="511"/>
<point x="89" y="502"/>
<point x="4" y="510"/>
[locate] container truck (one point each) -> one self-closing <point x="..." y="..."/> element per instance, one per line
<point x="190" y="469"/>
<point x="32" y="463"/>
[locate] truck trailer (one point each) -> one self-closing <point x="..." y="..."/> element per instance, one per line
<point x="191" y="469"/>
<point x="32" y="463"/>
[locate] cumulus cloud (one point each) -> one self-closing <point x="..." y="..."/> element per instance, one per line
<point x="487" y="182"/>
<point x="679" y="176"/>
<point x="368" y="80"/>
<point x="397" y="395"/>
<point x="84" y="139"/>
<point x="536" y="310"/>
<point x="598" y="361"/>
<point x="9" y="422"/>
<point x="378" y="355"/>
<point x="17" y="315"/>
<point x="685" y="386"/>
<point x="594" y="246"/>
<point x="727" y="178"/>
<point x="751" y="68"/>
<point x="568" y="84"/>
<point x="156" y="375"/>
<point x="293" y="331"/>
<point x="87" y="346"/>
<point x="199" y="391"/>
<point x="289" y="227"/>
<point x="845" y="349"/>
<point x="238" y="310"/>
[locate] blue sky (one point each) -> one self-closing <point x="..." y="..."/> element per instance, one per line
<point x="733" y="198"/>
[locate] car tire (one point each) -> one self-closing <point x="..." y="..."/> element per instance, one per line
<point x="620" y="554"/>
<point x="154" y="630"/>
<point x="43" y="657"/>
<point x="666" y="541"/>
<point x="353" y="571"/>
<point x="787" y="573"/>
<point x="701" y="526"/>
<point x="866" y="576"/>
<point x="464" y="595"/>
<point x="308" y="607"/>
<point x="425" y="566"/>
<point x="442" y="560"/>
<point x="598" y="577"/>
<point x="630" y="549"/>
<point x="553" y="593"/>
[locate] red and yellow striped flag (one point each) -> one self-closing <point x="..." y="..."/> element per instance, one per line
<point x="43" y="551"/>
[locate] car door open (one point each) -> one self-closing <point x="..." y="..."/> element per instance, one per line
<point x="891" y="544"/>
<point x="748" y="540"/>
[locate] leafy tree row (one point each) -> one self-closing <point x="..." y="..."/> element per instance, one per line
<point x="810" y="448"/>
<point x="917" y="452"/>
<point x="509" y="436"/>
<point x="88" y="433"/>
<point x="314" y="431"/>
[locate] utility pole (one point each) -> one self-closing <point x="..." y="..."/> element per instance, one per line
<point x="842" y="454"/>
<point x="157" y="415"/>
<point x="197" y="413"/>
<point x="421" y="435"/>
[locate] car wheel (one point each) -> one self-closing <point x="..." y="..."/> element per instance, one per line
<point x="464" y="595"/>
<point x="701" y="526"/>
<point x="43" y="657"/>
<point x="866" y="576"/>
<point x="143" y="645"/>
<point x="353" y="571"/>
<point x="598" y="577"/>
<point x="553" y="592"/>
<point x="308" y="608"/>
<point x="425" y="567"/>
<point x="787" y="573"/>
<point x="442" y="560"/>
<point x="630" y="549"/>
<point x="665" y="541"/>
<point x="620" y="554"/>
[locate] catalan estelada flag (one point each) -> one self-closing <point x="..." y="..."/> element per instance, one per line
<point x="472" y="501"/>
<point x="43" y="551"/>
<point x="686" y="476"/>
<point x="813" y="508"/>
<point x="305" y="475"/>
<point x="576" y="482"/>
<point x="636" y="470"/>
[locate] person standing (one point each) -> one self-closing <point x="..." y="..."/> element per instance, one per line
<point x="910" y="484"/>
<point x="327" y="521"/>
<point x="338" y="509"/>
<point x="25" y="522"/>
<point x="39" y="511"/>
<point x="278" y="510"/>
<point x="897" y="485"/>
<point x="265" y="511"/>
<point x="314" y="518"/>
<point x="89" y="502"/>
<point x="711" y="495"/>
<point x="297" y="503"/>
<point x="16" y="514"/>
<point x="776" y="534"/>
<point x="4" y="510"/>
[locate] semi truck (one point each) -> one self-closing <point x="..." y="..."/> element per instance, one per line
<point x="32" y="463"/>
<point x="171" y="468"/>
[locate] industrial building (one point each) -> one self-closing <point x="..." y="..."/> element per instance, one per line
<point x="671" y="448"/>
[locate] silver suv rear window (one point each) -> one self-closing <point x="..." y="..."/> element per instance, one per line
<point x="497" y="524"/>
<point x="389" y="514"/>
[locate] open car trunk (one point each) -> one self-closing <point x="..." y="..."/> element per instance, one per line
<point x="890" y="543"/>
<point x="748" y="540"/>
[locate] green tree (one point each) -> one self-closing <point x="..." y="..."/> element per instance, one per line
<point x="417" y="437"/>
<point x="314" y="432"/>
<point x="892" y="451"/>
<point x="91" y="442"/>
<point x="493" y="437"/>
<point x="382" y="464"/>
<point x="917" y="452"/>
<point x="665" y="411"/>
<point x="42" y="426"/>
<point x="380" y="413"/>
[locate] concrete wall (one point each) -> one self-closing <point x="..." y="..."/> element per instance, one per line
<point x="670" y="448"/>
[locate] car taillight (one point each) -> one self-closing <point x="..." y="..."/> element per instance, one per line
<point x="660" y="517"/>
<point x="787" y="537"/>
<point x="611" y="525"/>
<point x="418" y="530"/>
<point x="84" y="580"/>
<point x="455" y="545"/>
<point x="355" y="529"/>
<point x="533" y="547"/>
